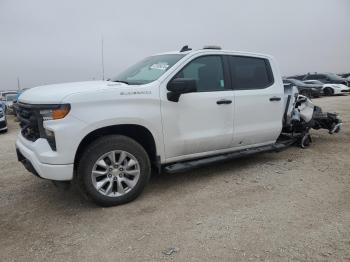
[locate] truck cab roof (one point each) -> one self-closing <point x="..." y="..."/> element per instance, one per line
<point x="214" y="50"/>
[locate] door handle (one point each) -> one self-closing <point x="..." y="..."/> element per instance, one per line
<point x="224" y="102"/>
<point x="275" y="98"/>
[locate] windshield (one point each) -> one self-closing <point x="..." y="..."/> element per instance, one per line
<point x="334" y="76"/>
<point x="148" y="70"/>
<point x="11" y="97"/>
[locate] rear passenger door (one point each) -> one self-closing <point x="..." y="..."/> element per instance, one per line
<point x="258" y="106"/>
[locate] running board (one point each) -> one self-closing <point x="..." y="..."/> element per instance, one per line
<point x="189" y="165"/>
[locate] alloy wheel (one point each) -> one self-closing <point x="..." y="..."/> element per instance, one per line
<point x="115" y="173"/>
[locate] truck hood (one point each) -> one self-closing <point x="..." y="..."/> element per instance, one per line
<point x="54" y="94"/>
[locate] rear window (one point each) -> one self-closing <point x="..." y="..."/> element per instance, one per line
<point x="316" y="77"/>
<point x="250" y="72"/>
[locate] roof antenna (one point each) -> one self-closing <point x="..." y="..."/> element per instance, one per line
<point x="185" y="48"/>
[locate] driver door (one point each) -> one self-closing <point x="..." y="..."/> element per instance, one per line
<point x="201" y="121"/>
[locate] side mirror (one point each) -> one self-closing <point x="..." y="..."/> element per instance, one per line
<point x="179" y="86"/>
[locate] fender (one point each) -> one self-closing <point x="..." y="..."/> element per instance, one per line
<point x="157" y="136"/>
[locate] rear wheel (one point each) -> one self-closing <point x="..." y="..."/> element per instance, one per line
<point x="328" y="91"/>
<point x="113" y="170"/>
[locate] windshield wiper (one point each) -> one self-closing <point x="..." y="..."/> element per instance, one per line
<point x="121" y="81"/>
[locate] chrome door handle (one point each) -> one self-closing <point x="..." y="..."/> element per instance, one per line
<point x="275" y="98"/>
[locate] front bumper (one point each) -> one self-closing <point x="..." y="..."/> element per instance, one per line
<point x="48" y="171"/>
<point x="342" y="90"/>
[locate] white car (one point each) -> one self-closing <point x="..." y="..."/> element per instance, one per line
<point x="9" y="98"/>
<point x="331" y="89"/>
<point x="3" y="120"/>
<point x="169" y="112"/>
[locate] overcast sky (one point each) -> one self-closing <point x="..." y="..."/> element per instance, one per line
<point x="46" y="41"/>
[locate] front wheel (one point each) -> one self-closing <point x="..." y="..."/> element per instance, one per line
<point x="113" y="170"/>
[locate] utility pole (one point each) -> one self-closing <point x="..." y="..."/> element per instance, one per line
<point x="18" y="85"/>
<point x="102" y="60"/>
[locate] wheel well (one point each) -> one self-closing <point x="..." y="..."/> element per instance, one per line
<point x="139" y="133"/>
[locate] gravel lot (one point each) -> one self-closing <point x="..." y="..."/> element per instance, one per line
<point x="292" y="205"/>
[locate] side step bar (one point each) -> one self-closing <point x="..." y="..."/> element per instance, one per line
<point x="189" y="165"/>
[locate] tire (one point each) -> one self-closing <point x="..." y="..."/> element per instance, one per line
<point x="305" y="141"/>
<point x="120" y="187"/>
<point x="328" y="91"/>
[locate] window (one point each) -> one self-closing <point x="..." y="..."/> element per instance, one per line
<point x="250" y="72"/>
<point x="207" y="71"/>
<point x="148" y="70"/>
<point x="10" y="97"/>
<point x="316" y="77"/>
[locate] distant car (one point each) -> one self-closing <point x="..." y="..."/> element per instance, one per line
<point x="9" y="98"/>
<point x="331" y="89"/>
<point x="16" y="99"/>
<point x="4" y="93"/>
<point x="326" y="78"/>
<point x="2" y="104"/>
<point x="345" y="75"/>
<point x="309" y="90"/>
<point x="3" y="120"/>
<point x="298" y="77"/>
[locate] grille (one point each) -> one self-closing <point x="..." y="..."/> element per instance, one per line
<point x="30" y="121"/>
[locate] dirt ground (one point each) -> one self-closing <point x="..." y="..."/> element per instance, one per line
<point x="287" y="206"/>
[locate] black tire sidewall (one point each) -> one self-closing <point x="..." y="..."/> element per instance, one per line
<point x="95" y="151"/>
<point x="329" y="91"/>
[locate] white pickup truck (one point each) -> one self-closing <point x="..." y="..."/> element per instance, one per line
<point x="169" y="112"/>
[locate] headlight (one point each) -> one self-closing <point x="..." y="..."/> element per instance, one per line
<point x="55" y="113"/>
